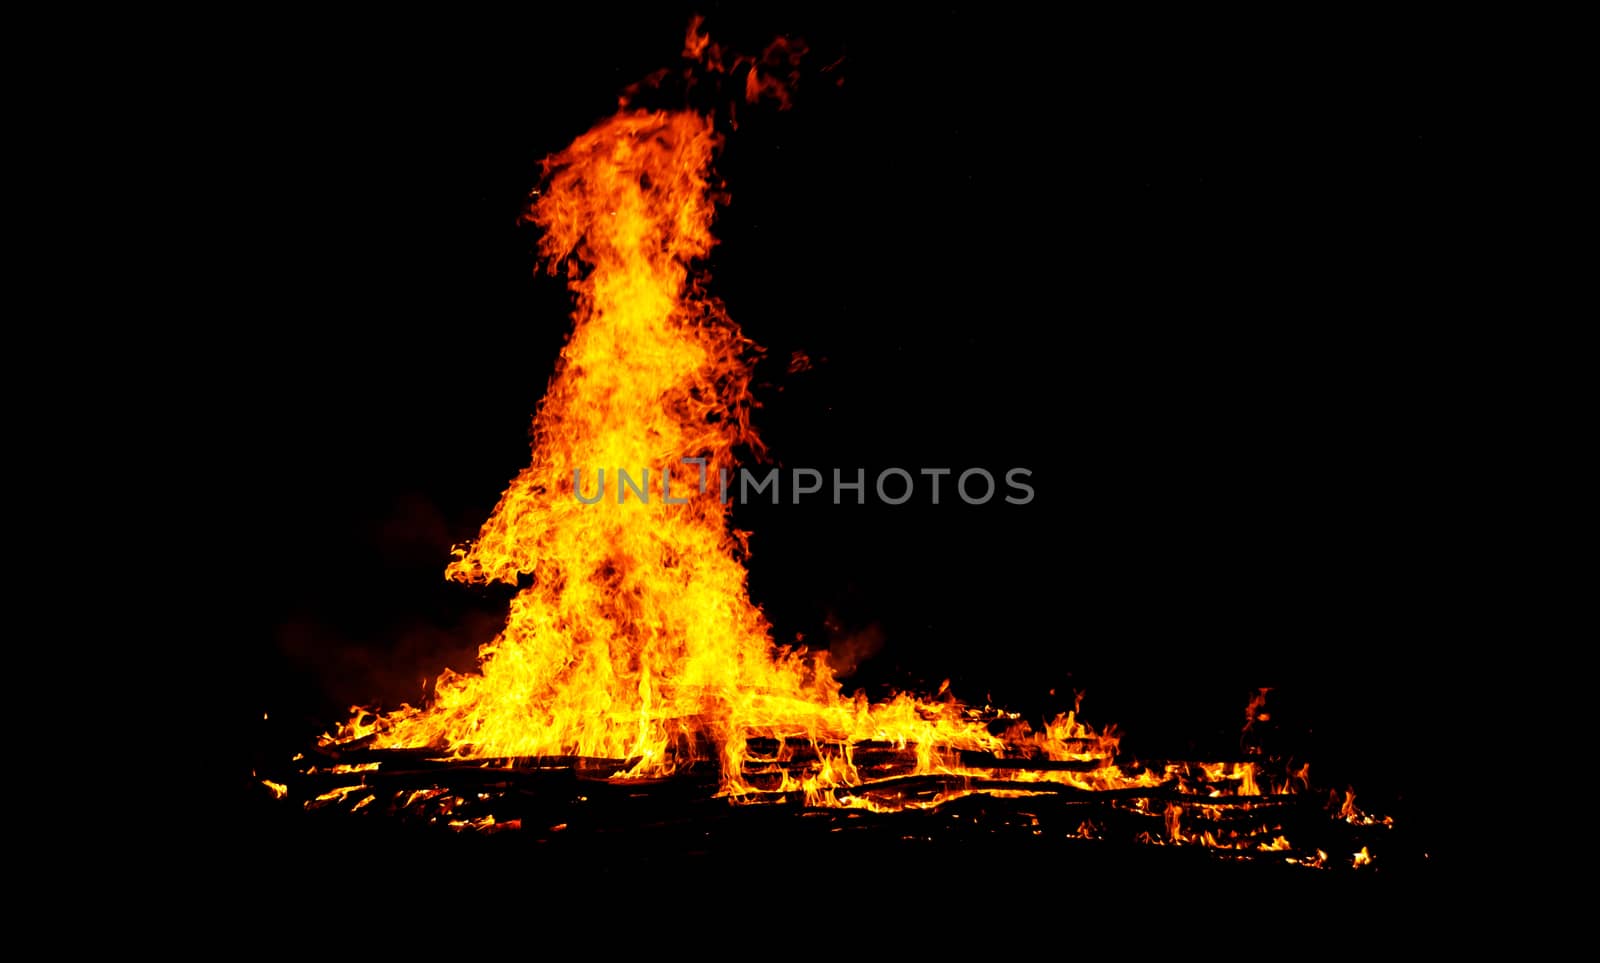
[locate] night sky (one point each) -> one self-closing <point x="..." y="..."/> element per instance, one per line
<point x="1192" y="283"/>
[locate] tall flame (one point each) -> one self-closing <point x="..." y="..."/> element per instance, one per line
<point x="636" y="638"/>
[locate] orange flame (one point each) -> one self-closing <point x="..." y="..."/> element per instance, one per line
<point x="633" y="637"/>
<point x="636" y="638"/>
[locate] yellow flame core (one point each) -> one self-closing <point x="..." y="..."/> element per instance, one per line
<point x="637" y="637"/>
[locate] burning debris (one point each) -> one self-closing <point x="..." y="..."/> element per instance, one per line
<point x="1066" y="784"/>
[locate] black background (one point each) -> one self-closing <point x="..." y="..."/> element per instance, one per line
<point x="1199" y="277"/>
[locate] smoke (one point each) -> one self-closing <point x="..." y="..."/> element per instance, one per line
<point x="393" y="667"/>
<point x="415" y="532"/>
<point x="847" y="650"/>
<point x="380" y="631"/>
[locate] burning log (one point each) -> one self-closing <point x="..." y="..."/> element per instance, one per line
<point x="984" y="760"/>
